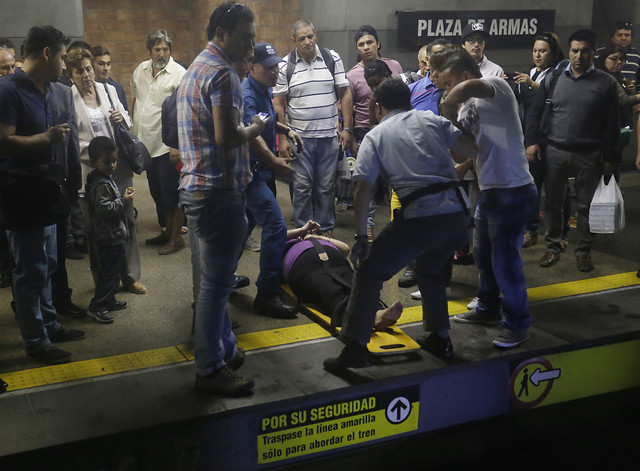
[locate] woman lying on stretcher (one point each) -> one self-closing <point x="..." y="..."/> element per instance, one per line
<point x="318" y="272"/>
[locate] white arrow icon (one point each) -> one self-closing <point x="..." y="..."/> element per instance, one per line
<point x="539" y="376"/>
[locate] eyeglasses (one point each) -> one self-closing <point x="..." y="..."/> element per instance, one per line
<point x="616" y="59"/>
<point x="236" y="8"/>
<point x="475" y="40"/>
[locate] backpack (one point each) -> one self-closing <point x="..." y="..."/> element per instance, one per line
<point x="170" y="120"/>
<point x="326" y="56"/>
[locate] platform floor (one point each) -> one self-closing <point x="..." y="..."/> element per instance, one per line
<point x="124" y="373"/>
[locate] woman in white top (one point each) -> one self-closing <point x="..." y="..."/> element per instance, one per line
<point x="547" y="54"/>
<point x="96" y="116"/>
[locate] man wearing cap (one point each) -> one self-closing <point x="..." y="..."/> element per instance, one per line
<point x="622" y="36"/>
<point x="474" y="38"/>
<point x="260" y="193"/>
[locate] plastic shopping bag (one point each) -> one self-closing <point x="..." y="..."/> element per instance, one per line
<point x="606" y="213"/>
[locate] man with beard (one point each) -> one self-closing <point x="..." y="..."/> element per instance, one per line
<point x="153" y="81"/>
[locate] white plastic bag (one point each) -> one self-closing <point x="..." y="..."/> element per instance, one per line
<point x="606" y="213"/>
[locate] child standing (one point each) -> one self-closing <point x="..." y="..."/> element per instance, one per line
<point x="108" y="227"/>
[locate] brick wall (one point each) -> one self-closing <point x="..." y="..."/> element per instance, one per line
<point x="123" y="25"/>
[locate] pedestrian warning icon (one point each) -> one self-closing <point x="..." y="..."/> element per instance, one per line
<point x="531" y="382"/>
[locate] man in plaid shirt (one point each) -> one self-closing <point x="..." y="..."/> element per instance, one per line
<point x="215" y="172"/>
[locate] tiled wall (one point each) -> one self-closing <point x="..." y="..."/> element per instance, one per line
<point x="123" y="25"/>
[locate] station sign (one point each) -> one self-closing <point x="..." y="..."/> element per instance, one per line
<point x="509" y="29"/>
<point x="305" y="431"/>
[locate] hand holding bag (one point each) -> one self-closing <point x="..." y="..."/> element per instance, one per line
<point x="606" y="213"/>
<point x="130" y="148"/>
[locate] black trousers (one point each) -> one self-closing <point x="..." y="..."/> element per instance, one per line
<point x="111" y="259"/>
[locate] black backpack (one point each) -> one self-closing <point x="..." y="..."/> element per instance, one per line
<point x="326" y="56"/>
<point x="170" y="120"/>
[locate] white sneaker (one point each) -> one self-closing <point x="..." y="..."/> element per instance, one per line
<point x="473" y="304"/>
<point x="252" y="245"/>
<point x="416" y="295"/>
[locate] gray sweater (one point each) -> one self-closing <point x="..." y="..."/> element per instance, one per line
<point x="584" y="114"/>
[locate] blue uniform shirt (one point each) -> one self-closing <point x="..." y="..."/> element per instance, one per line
<point x="425" y="95"/>
<point x="258" y="99"/>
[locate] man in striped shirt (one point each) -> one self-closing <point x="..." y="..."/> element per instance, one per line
<point x="622" y="35"/>
<point x="310" y="91"/>
<point x="215" y="172"/>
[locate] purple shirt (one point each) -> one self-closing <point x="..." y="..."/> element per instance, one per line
<point x="294" y="249"/>
<point x="361" y="92"/>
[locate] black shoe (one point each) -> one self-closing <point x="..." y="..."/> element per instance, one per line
<point x="273" y="305"/>
<point x="104" y="317"/>
<point x="437" y="346"/>
<point x="50" y="354"/>
<point x="5" y="280"/>
<point x="353" y="355"/>
<point x="224" y="382"/>
<point x="116" y="306"/>
<point x="241" y="281"/>
<point x="408" y="279"/>
<point x="82" y="245"/>
<point x="73" y="253"/>
<point x="65" y="334"/>
<point x="158" y="240"/>
<point x="238" y="359"/>
<point x="71" y="311"/>
<point x="3" y="386"/>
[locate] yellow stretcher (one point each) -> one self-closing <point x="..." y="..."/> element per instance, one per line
<point x="391" y="341"/>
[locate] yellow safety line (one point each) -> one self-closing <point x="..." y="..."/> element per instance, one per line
<point x="255" y="340"/>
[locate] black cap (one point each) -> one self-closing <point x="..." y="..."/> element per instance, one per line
<point x="473" y="28"/>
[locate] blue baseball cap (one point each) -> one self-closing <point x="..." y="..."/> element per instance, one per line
<point x="265" y="55"/>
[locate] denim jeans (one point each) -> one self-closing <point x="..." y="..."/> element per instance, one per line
<point x="500" y="219"/>
<point x="314" y="182"/>
<point x="264" y="207"/>
<point x="34" y="255"/>
<point x="218" y="220"/>
<point x="431" y="241"/>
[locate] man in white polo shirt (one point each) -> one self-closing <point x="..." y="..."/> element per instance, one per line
<point x="308" y="87"/>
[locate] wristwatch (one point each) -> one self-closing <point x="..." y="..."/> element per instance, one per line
<point x="349" y="130"/>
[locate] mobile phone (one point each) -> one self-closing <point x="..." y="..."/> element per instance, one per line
<point x="263" y="116"/>
<point x="511" y="76"/>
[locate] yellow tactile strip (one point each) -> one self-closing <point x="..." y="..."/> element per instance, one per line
<point x="255" y="340"/>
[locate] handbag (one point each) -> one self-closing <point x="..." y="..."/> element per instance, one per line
<point x="33" y="197"/>
<point x="606" y="212"/>
<point x="130" y="148"/>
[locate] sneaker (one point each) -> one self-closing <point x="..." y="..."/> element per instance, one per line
<point x="370" y="236"/>
<point x="104" y="317"/>
<point x="3" y="386"/>
<point x="116" y="305"/>
<point x="341" y="207"/>
<point x="224" y="382"/>
<point x="5" y="280"/>
<point x="50" y="354"/>
<point x="530" y="239"/>
<point x="416" y="295"/>
<point x="408" y="278"/>
<point x="437" y="346"/>
<point x="584" y="263"/>
<point x="136" y="288"/>
<point x="549" y="258"/>
<point x="478" y="317"/>
<point x="353" y="355"/>
<point x="72" y="311"/>
<point x="65" y="334"/>
<point x="473" y="303"/>
<point x="238" y="359"/>
<point x="241" y="281"/>
<point x="510" y="338"/>
<point x="252" y="245"/>
<point x="564" y="243"/>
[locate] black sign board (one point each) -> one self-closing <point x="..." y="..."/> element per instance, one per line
<point x="509" y="29"/>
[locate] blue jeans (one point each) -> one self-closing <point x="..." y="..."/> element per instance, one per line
<point x="34" y="253"/>
<point x="314" y="182"/>
<point x="431" y="241"/>
<point x="218" y="220"/>
<point x="501" y="216"/>
<point x="264" y="207"/>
